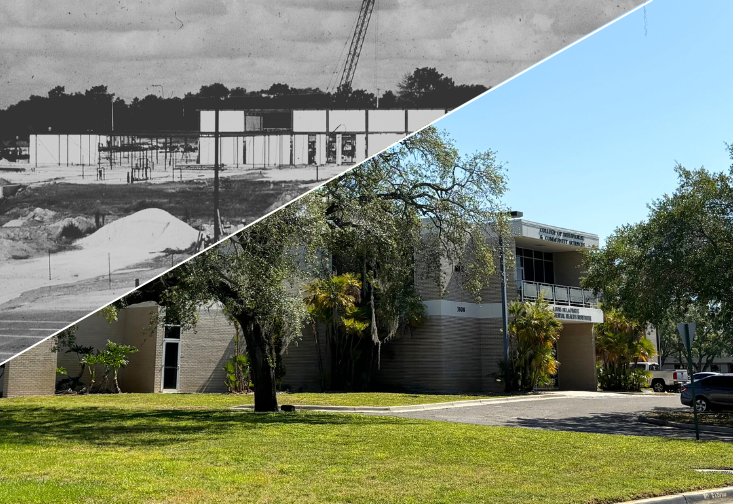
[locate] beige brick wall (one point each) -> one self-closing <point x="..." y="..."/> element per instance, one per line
<point x="576" y="354"/>
<point x="430" y="290"/>
<point x="140" y="331"/>
<point x="447" y="355"/>
<point x="301" y="362"/>
<point x="135" y="326"/>
<point x="492" y="352"/>
<point x="32" y="372"/>
<point x="204" y="352"/>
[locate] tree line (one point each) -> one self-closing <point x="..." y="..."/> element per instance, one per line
<point x="98" y="110"/>
<point x="675" y="266"/>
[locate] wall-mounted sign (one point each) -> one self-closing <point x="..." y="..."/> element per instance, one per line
<point x="560" y="236"/>
<point x="569" y="313"/>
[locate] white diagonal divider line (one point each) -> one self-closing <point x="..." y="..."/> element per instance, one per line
<point x="341" y="173"/>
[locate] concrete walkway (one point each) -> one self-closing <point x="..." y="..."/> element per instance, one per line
<point x="715" y="496"/>
<point x="594" y="412"/>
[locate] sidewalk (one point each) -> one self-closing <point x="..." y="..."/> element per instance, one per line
<point x="446" y="405"/>
<point x="715" y="496"/>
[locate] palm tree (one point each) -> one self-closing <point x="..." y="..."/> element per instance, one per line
<point x="333" y="301"/>
<point x="621" y="342"/>
<point x="534" y="331"/>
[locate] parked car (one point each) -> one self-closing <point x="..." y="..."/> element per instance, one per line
<point x="703" y="374"/>
<point x="661" y="381"/>
<point x="711" y="392"/>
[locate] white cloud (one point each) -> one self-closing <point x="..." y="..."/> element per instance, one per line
<point x="253" y="43"/>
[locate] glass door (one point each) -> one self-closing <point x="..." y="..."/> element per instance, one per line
<point x="171" y="358"/>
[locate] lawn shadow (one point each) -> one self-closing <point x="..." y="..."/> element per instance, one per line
<point x="100" y="426"/>
<point x="612" y="423"/>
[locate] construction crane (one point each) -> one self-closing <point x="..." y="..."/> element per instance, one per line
<point x="357" y="41"/>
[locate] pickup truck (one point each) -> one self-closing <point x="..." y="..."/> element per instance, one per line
<point x="662" y="381"/>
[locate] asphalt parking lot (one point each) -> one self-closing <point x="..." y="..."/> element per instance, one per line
<point x="597" y="412"/>
<point x="21" y="330"/>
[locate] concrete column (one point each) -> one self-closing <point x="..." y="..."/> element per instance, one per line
<point x="577" y="356"/>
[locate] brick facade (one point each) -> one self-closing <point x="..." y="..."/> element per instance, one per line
<point x="31" y="373"/>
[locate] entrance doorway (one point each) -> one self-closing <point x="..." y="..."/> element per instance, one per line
<point x="171" y="358"/>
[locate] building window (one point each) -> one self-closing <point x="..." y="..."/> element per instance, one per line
<point x="535" y="266"/>
<point x="172" y="331"/>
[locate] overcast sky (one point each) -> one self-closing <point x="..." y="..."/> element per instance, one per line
<point x="182" y="44"/>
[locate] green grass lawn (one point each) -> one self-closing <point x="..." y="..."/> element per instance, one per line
<point x="208" y="401"/>
<point x="170" y="449"/>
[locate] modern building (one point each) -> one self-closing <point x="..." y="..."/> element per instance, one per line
<point x="247" y="138"/>
<point x="460" y="347"/>
<point x="457" y="350"/>
<point x="304" y="137"/>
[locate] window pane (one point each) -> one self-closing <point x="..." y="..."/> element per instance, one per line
<point x="171" y="354"/>
<point x="549" y="273"/>
<point x="519" y="252"/>
<point x="548" y="256"/>
<point x="539" y="271"/>
<point x="173" y="332"/>
<point x="529" y="271"/>
<point x="169" y="378"/>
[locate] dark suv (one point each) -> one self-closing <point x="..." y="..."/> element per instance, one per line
<point x="712" y="392"/>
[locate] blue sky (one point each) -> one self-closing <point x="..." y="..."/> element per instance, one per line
<point x="591" y="135"/>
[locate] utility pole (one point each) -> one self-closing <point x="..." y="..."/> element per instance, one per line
<point x="217" y="229"/>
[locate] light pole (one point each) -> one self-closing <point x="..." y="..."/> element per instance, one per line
<point x="504" y="310"/>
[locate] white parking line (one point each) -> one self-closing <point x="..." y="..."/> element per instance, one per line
<point x="35" y="321"/>
<point x="45" y="329"/>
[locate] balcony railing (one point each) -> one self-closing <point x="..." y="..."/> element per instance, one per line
<point x="557" y="294"/>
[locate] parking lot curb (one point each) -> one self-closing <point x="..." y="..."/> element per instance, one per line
<point x="715" y="496"/>
<point x="703" y="428"/>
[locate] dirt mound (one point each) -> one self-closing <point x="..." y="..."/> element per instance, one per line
<point x="284" y="198"/>
<point x="30" y="217"/>
<point x="84" y="226"/>
<point x="41" y="215"/>
<point x="151" y="230"/>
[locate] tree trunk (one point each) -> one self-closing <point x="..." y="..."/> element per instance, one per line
<point x="261" y="353"/>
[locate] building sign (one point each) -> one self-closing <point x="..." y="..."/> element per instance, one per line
<point x="570" y="313"/>
<point x="564" y="237"/>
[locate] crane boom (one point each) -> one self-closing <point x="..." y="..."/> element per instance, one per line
<point x="357" y="41"/>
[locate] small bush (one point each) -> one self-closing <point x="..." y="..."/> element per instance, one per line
<point x="71" y="232"/>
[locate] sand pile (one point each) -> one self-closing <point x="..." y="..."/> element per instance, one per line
<point x="151" y="230"/>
